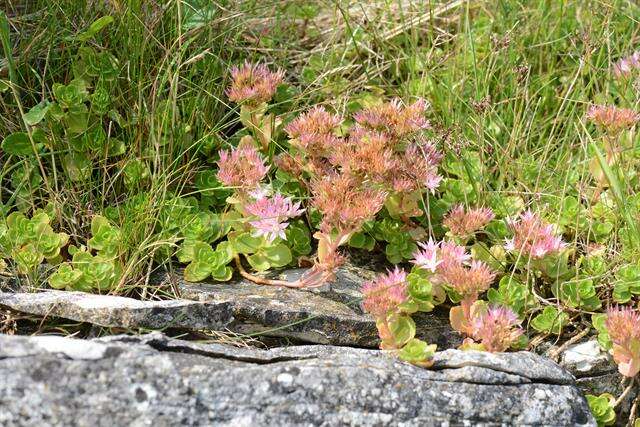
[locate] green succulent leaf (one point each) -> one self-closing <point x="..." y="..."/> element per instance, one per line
<point x="298" y="238"/>
<point x="513" y="294"/>
<point x="417" y="352"/>
<point x="593" y="265"/>
<point x="259" y="261"/>
<point x="278" y="255"/>
<point x="402" y="328"/>
<point x="203" y="225"/>
<point x="245" y="243"/>
<point x="197" y="271"/>
<point x="420" y="291"/>
<point x="578" y="293"/>
<point x="100" y="100"/>
<point x="602" y="408"/>
<point x="65" y="277"/>
<point x="27" y="258"/>
<point x="186" y="252"/>
<point x="226" y="252"/>
<point x="556" y="266"/>
<point x="222" y="274"/>
<point x="77" y="119"/>
<point x="78" y="166"/>
<point x="70" y="95"/>
<point x="627" y="283"/>
<point x="203" y="252"/>
<point x="361" y="240"/>
<point x="599" y="324"/>
<point x="106" y="238"/>
<point x="99" y="272"/>
<point x="50" y="243"/>
<point x="550" y="321"/>
<point x="135" y="172"/>
<point x="115" y="147"/>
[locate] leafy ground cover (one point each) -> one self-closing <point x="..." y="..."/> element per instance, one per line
<point x="487" y="149"/>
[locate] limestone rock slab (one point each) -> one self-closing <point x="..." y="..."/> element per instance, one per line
<point x="153" y="380"/>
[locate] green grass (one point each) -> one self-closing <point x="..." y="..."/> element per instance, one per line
<point x="173" y="70"/>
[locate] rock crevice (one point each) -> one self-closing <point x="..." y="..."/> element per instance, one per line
<point x="329" y="316"/>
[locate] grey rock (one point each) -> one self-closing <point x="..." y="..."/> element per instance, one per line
<point x="331" y="315"/>
<point x="115" y="311"/>
<point x="596" y="373"/>
<point x="587" y="358"/>
<point x="153" y="380"/>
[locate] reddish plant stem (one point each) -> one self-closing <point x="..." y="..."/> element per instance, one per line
<point x="263" y="280"/>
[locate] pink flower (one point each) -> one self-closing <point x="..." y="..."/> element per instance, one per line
<point x="469" y="281"/>
<point x="427" y="258"/>
<point x="260" y="192"/>
<point x="344" y="203"/>
<point x="316" y="121"/>
<point x="313" y="132"/>
<point x="623" y="325"/>
<point x="241" y="168"/>
<point x="497" y="329"/>
<point x="463" y="224"/>
<point x="533" y="237"/>
<point x="626" y="66"/>
<point x="253" y="84"/>
<point x="612" y="118"/>
<point x="453" y="254"/>
<point x="417" y="168"/>
<point x="452" y="266"/>
<point x="394" y="119"/>
<point x="272" y="215"/>
<point x="385" y="293"/>
<point x="432" y="182"/>
<point x="364" y="153"/>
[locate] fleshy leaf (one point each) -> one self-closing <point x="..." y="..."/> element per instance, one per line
<point x="418" y="352"/>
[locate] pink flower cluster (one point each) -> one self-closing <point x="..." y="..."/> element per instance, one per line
<point x="394" y="119"/>
<point x="374" y="155"/>
<point x="453" y="267"/>
<point x="314" y="130"/>
<point x="427" y="256"/>
<point x="242" y="168"/>
<point x="272" y="215"/>
<point x="497" y="329"/>
<point x="623" y="325"/>
<point x="384" y="294"/>
<point x="364" y="154"/>
<point x="376" y="148"/>
<point x="464" y="224"/>
<point x="612" y="118"/>
<point x="468" y="281"/>
<point x="350" y="176"/>
<point x="627" y="66"/>
<point x="313" y="135"/>
<point x="533" y="237"/>
<point x="345" y="203"/>
<point x="417" y="168"/>
<point x="253" y="84"/>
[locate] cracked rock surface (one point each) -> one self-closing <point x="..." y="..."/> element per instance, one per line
<point x="154" y="380"/>
<point x="331" y="315"/>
